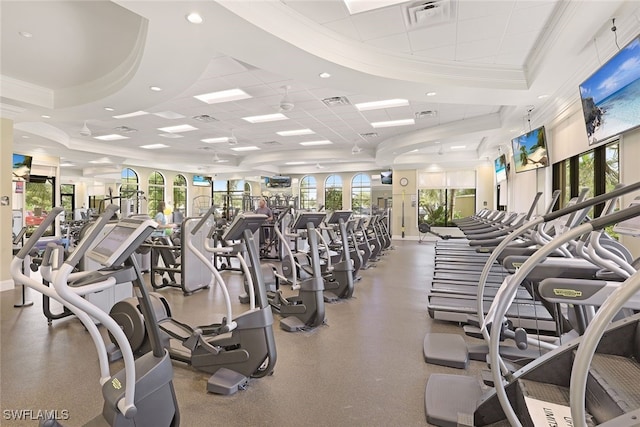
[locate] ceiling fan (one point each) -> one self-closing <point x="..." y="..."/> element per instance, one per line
<point x="232" y="139"/>
<point x="286" y="104"/>
<point x="217" y="159"/>
<point x="355" y="149"/>
<point x="319" y="166"/>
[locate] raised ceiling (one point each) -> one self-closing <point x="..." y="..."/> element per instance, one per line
<point x="488" y="63"/>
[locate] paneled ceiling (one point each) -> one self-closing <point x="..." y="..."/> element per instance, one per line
<point x="480" y="71"/>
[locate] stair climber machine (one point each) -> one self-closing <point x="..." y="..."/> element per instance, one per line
<point x="465" y="403"/>
<point x="305" y="310"/>
<point x="142" y="394"/>
<point x="174" y="263"/>
<point x="233" y="350"/>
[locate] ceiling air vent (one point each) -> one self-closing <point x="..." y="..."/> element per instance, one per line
<point x="426" y="114"/>
<point x="205" y="118"/>
<point x="369" y="135"/>
<point x="336" y="101"/>
<point x="427" y="13"/>
<point x="271" y="143"/>
<point x="125" y="129"/>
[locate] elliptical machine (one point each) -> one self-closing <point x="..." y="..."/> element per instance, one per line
<point x="233" y="350"/>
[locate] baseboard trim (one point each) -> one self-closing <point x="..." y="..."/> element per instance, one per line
<point x="7" y="285"/>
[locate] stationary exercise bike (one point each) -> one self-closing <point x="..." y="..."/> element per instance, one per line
<point x="234" y="349"/>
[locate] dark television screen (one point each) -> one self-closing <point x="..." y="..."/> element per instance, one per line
<point x="21" y="166"/>
<point x="501" y="168"/>
<point x="611" y="96"/>
<point x="278" y="182"/>
<point x="201" y="181"/>
<point x="530" y="150"/>
<point x="386" y="177"/>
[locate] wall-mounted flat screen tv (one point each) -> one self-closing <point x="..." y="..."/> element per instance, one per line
<point x="22" y="166"/>
<point x="278" y="181"/>
<point x="530" y="150"/>
<point x="201" y="181"/>
<point x="386" y="177"/>
<point x="501" y="168"/>
<point x="611" y="96"/>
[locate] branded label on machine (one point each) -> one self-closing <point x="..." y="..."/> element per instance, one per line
<point x="546" y="414"/>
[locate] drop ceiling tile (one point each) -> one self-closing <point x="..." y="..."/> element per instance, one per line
<point x="268" y="77"/>
<point x="433" y="37"/>
<point x="532" y="19"/>
<point x="472" y="9"/>
<point x="525" y="4"/>
<point x="484" y="28"/>
<point x="379" y="23"/>
<point x="515" y="57"/>
<point x="223" y="66"/>
<point x="395" y="43"/>
<point x="477" y="49"/>
<point x="344" y="27"/>
<point x="442" y="53"/>
<point x="319" y="11"/>
<point x="242" y="80"/>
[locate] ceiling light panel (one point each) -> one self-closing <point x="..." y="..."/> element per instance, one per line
<point x="359" y="6"/>
<point x="215" y="140"/>
<point x="392" y="123"/>
<point x="170" y="135"/>
<point x="296" y="132"/>
<point x="111" y="137"/>
<point x="387" y="103"/>
<point x="128" y="115"/>
<point x="458" y="147"/>
<point x="246" y="148"/>
<point x="154" y="146"/>
<point x="223" y="96"/>
<point x="178" y="128"/>
<point x="321" y="142"/>
<point x="171" y="115"/>
<point x="265" y="118"/>
<point x="295" y="163"/>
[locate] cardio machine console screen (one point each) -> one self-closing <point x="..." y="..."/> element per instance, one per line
<point x="243" y="222"/>
<point x="304" y="218"/>
<point x="120" y="241"/>
<point x="337" y="215"/>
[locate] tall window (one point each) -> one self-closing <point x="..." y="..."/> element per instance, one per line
<point x="180" y="194"/>
<point x="445" y="196"/>
<point x="129" y="188"/>
<point x="228" y="195"/>
<point x="67" y="200"/>
<point x="39" y="200"/>
<point x="361" y="194"/>
<point x="333" y="193"/>
<point x="308" y="193"/>
<point x="156" y="192"/>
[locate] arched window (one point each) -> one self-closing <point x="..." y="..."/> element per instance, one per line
<point x="156" y="192"/>
<point x="333" y="193"/>
<point x="308" y="193"/>
<point x="180" y="194"/>
<point x="361" y="194"/>
<point x="129" y="190"/>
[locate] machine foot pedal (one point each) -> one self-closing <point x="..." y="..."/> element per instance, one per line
<point x="225" y="381"/>
<point x="292" y="324"/>
<point x="446" y="350"/>
<point x="330" y="297"/>
<point x="447" y="396"/>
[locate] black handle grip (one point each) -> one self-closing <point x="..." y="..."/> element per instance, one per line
<point x="203" y="220"/>
<point x="593" y="201"/>
<point x="37" y="234"/>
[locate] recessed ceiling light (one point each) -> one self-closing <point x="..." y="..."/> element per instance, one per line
<point x="215" y="140"/>
<point x="391" y="123"/>
<point x="128" y="115"/>
<point x="324" y="75"/>
<point x="321" y="142"/>
<point x="153" y="146"/>
<point x="376" y="105"/>
<point x="543" y="96"/>
<point x="170" y="135"/>
<point x="436" y="142"/>
<point x="26" y="34"/>
<point x="265" y="118"/>
<point x="100" y="161"/>
<point x="178" y="128"/>
<point x="223" y="96"/>
<point x="155" y="88"/>
<point x="194" y="18"/>
<point x="109" y="108"/>
<point x="414" y="151"/>
<point x="431" y="93"/>
<point x="44" y="116"/>
<point x="458" y="147"/>
<point x="246" y="148"/>
<point x="26" y="136"/>
<point x="171" y="115"/>
<point x="296" y="132"/>
<point x="66" y="165"/>
<point x="295" y="163"/>
<point x="111" y="137"/>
